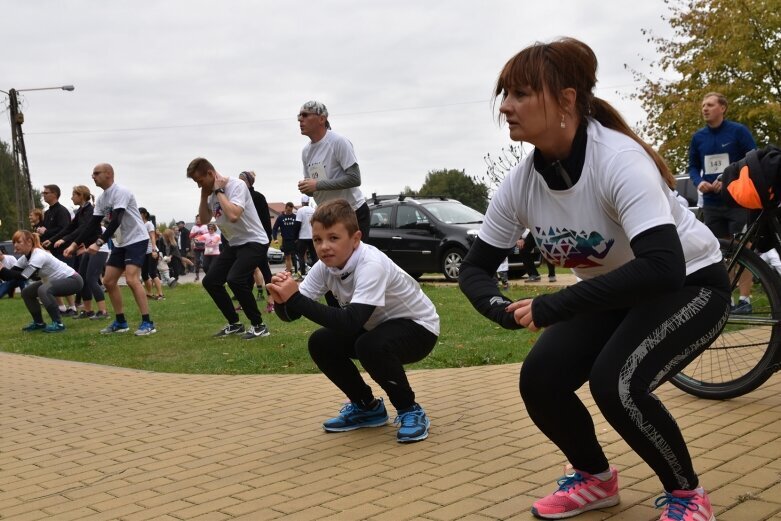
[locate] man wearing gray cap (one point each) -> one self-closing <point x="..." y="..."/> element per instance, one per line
<point x="330" y="166"/>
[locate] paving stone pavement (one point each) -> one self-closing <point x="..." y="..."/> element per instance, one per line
<point x="88" y="442"/>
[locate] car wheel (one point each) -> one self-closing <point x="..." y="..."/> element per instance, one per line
<point x="451" y="263"/>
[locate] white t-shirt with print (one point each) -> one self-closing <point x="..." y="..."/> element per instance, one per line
<point x="248" y="227"/>
<point x="304" y="216"/>
<point x="48" y="267"/>
<point x="131" y="229"/>
<point x="370" y="277"/>
<point x="589" y="226"/>
<point x="328" y="159"/>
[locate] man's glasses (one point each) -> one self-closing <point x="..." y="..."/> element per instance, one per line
<point x="304" y="115"/>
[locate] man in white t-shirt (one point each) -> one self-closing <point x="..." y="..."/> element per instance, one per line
<point x="330" y="166"/>
<point x="383" y="319"/>
<point x="130" y="238"/>
<point x="245" y="242"/>
<point x="304" y="244"/>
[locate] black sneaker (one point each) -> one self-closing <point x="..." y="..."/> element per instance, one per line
<point x="230" y="329"/>
<point x="99" y="315"/>
<point x="70" y="312"/>
<point x="255" y="332"/>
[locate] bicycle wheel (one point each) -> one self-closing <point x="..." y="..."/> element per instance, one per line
<point x="742" y="357"/>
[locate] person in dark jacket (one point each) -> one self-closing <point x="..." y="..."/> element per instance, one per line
<point x="262" y="275"/>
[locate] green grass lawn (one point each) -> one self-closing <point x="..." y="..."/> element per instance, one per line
<point x="188" y="318"/>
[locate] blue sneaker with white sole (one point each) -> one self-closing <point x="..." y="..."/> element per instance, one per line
<point x="413" y="424"/>
<point x="352" y="417"/>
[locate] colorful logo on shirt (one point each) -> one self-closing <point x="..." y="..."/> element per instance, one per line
<point x="217" y="210"/>
<point x="571" y="249"/>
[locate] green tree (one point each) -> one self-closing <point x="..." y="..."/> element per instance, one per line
<point x="457" y="185"/>
<point x="8" y="215"/>
<point x="727" y="46"/>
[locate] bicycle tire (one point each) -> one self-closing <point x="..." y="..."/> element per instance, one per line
<point x="744" y="356"/>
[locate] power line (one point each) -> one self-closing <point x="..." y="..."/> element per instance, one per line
<point x="274" y="120"/>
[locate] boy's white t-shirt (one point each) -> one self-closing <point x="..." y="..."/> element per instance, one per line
<point x="589" y="226"/>
<point x="304" y="216"/>
<point x="131" y="229"/>
<point x="248" y="227"/>
<point x="328" y="159"/>
<point x="370" y="277"/>
<point x="48" y="267"/>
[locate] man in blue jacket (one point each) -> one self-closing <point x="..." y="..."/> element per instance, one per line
<point x="713" y="147"/>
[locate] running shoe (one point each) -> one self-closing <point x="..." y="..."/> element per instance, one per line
<point x="552" y="278"/>
<point x="146" y="328"/>
<point x="84" y="314"/>
<point x="230" y="329"/>
<point x="173" y="283"/>
<point x="160" y="297"/>
<point x="533" y="278"/>
<point x="115" y="327"/>
<point x="99" y="315"/>
<point x="413" y="424"/>
<point x="34" y="326"/>
<point x="578" y="492"/>
<point x="54" y="327"/>
<point x="352" y="417"/>
<point x="685" y="505"/>
<point x="743" y="307"/>
<point x="256" y="332"/>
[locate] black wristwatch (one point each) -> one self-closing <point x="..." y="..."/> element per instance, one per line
<point x="100" y="242"/>
<point x="219" y="191"/>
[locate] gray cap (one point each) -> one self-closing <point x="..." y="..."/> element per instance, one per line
<point x="315" y="107"/>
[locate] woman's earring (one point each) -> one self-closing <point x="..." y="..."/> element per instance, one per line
<point x="563" y="125"/>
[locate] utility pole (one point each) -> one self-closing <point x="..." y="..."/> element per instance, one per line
<point x="22" y="184"/>
<point x="23" y="188"/>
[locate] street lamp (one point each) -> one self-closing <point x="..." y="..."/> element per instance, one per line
<point x="20" y="154"/>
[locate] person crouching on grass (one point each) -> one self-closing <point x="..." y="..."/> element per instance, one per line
<point x="57" y="280"/>
<point x="384" y="321"/>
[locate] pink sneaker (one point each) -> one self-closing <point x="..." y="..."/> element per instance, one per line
<point x="578" y="492"/>
<point x="685" y="505"/>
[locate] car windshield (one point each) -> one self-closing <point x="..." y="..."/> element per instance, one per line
<point x="452" y="212"/>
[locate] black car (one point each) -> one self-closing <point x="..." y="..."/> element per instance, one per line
<point x="425" y="235"/>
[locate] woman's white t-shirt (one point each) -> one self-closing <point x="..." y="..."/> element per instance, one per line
<point x="589" y="226"/>
<point x="370" y="277"/>
<point x="48" y="267"/>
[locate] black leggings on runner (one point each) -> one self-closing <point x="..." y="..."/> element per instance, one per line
<point x="235" y="266"/>
<point x="383" y="351"/>
<point x="625" y="355"/>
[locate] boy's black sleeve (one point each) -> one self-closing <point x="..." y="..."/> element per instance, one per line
<point x="349" y="319"/>
<point x="476" y="280"/>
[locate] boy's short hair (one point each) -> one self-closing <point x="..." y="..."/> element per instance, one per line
<point x="336" y="211"/>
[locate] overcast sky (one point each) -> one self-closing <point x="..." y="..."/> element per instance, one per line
<point x="159" y="83"/>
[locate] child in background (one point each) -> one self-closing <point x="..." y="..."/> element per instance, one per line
<point x="501" y="273"/>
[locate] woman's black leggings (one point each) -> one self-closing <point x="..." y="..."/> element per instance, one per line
<point x="625" y="355"/>
<point x="91" y="270"/>
<point x="383" y="351"/>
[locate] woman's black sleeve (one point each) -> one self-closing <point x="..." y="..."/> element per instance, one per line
<point x="659" y="267"/>
<point x="91" y="229"/>
<point x="11" y="274"/>
<point x="84" y="220"/>
<point x="477" y="282"/>
<point x="349" y="319"/>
